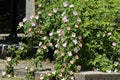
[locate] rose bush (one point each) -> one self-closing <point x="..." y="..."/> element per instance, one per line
<point x="83" y="35"/>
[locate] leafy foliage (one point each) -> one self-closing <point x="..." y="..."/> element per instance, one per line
<point x="81" y="33"/>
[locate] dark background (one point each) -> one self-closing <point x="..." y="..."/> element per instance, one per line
<point x="10" y="11"/>
<point x="5" y="7"/>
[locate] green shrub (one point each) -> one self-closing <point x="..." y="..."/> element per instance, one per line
<point x="81" y="33"/>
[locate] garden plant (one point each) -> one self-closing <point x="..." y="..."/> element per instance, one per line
<point x="81" y="34"/>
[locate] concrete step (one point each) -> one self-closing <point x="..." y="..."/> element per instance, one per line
<point x="92" y="75"/>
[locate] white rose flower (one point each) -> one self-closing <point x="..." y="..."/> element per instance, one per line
<point x="108" y="71"/>
<point x="3" y="73"/>
<point x="36" y="17"/>
<point x="26" y="67"/>
<point x="45" y="37"/>
<point x="63" y="14"/>
<point x="24" y="19"/>
<point x="50" y="14"/>
<point x="31" y="69"/>
<point x="55" y="10"/>
<point x="65" y="4"/>
<point x="8" y="75"/>
<point x="115" y="70"/>
<point x="79" y="19"/>
<point x="75" y="41"/>
<point x="39" y="12"/>
<point x="54" y="72"/>
<point x="76" y="50"/>
<point x="40" y="43"/>
<point x="31" y="17"/>
<point x="71" y="6"/>
<point x="70" y="53"/>
<point x="40" y="5"/>
<point x="56" y="45"/>
<point x="116" y="63"/>
<point x="75" y="13"/>
<point x="50" y="34"/>
<point x="73" y="34"/>
<point x="33" y="23"/>
<point x="20" y="24"/>
<point x="8" y="59"/>
<point x="65" y="44"/>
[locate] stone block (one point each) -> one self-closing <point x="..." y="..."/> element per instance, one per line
<point x="30" y="8"/>
<point x="97" y="76"/>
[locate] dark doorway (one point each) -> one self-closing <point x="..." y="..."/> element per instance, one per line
<point x="11" y="13"/>
<point x="5" y="16"/>
<point x="17" y="14"/>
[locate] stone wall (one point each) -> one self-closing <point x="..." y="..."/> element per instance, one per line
<point x="30" y="8"/>
<point x="97" y="76"/>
